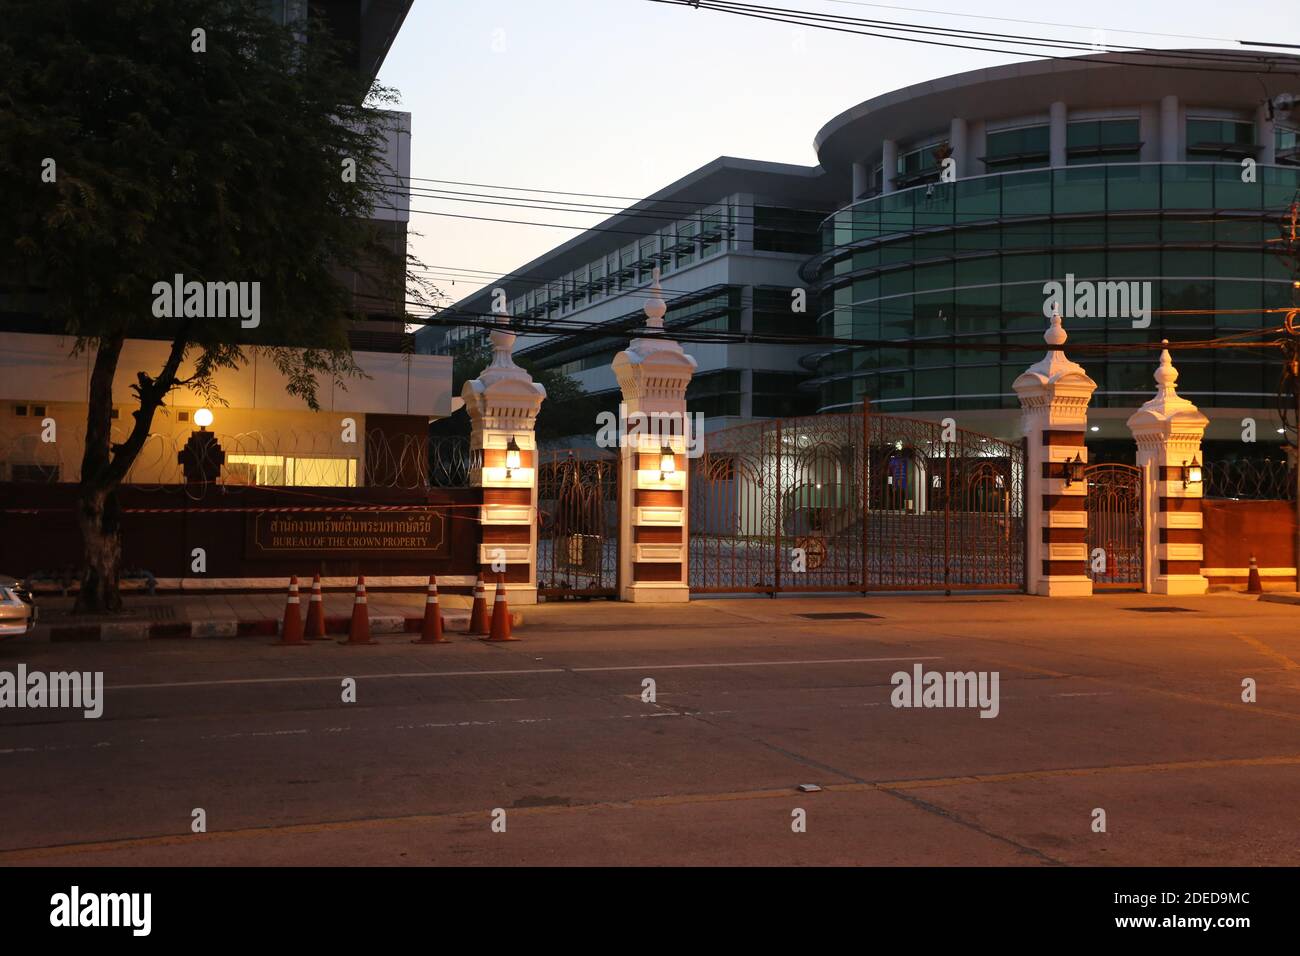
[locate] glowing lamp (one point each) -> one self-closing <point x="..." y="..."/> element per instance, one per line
<point x="1192" y="473"/>
<point x="667" y="463"/>
<point x="512" y="456"/>
<point x="203" y="417"/>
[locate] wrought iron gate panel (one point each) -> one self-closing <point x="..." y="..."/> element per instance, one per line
<point x="1114" y="504"/>
<point x="853" y="503"/>
<point x="577" y="533"/>
<point x="732" y="514"/>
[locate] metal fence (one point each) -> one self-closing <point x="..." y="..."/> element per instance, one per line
<point x="1250" y="479"/>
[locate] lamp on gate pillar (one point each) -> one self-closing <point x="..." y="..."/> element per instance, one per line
<point x="202" y="457"/>
<point x="667" y="463"/>
<point x="1074" y="470"/>
<point x="1191" y="473"/>
<point x="512" y="456"/>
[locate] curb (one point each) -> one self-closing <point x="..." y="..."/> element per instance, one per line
<point x="267" y="627"/>
<point x="1280" y="597"/>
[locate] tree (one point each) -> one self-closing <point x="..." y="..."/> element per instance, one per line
<point x="145" y="139"/>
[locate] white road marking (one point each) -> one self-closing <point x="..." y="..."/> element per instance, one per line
<point x="665" y="667"/>
<point x="234" y="681"/>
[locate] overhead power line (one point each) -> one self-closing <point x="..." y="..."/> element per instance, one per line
<point x="1209" y="61"/>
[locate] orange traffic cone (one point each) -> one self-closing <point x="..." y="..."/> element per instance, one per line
<point x="291" y="628"/>
<point x="500" y="614"/>
<point x="359" y="631"/>
<point x="1253" y="584"/>
<point x="478" y="616"/>
<point x="431" y="629"/>
<point x="315" y="627"/>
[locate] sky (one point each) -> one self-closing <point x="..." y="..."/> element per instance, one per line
<point x="623" y="97"/>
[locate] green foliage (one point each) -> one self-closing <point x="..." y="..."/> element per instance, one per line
<point x="224" y="165"/>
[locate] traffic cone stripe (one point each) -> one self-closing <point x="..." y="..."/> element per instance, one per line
<point x="291" y="626"/>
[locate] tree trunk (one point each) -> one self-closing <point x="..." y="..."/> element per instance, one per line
<point x="104" y="466"/>
<point x="97" y="512"/>
<point x="99" y="519"/>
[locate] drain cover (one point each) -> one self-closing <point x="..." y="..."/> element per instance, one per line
<point x="1162" y="610"/>
<point x="841" y="616"/>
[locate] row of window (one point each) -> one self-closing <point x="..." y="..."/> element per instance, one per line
<point x="952" y="212"/>
<point x="1088" y="141"/>
<point x="1120" y="385"/>
<point x="1015" y="312"/>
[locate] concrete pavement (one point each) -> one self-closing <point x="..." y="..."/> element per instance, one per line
<point x="1126" y="703"/>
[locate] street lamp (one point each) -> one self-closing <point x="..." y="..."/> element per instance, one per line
<point x="667" y="462"/>
<point x="512" y="456"/>
<point x="202" y="457"/>
<point x="1191" y="473"/>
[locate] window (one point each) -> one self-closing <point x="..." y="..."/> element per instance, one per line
<point x="279" y="471"/>
<point x="787" y="230"/>
<point x="920" y="165"/>
<point x="1102" y="141"/>
<point x="1024" y="148"/>
<point x="1287" y="143"/>
<point x="33" y="472"/>
<point x="1220" y="139"/>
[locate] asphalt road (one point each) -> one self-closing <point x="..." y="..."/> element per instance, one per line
<point x="1133" y="712"/>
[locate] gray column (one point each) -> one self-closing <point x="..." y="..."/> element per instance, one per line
<point x="1056" y="134"/>
<point x="889" y="165"/>
<point x="957" y="140"/>
<point x="1149" y="133"/>
<point x="861" y="180"/>
<point x="1264" y="136"/>
<point x="1170" y="138"/>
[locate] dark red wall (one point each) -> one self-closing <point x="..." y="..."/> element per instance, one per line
<point x="1234" y="530"/>
<point x="38" y="530"/>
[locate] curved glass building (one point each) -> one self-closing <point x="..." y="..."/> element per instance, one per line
<point x="1160" y="191"/>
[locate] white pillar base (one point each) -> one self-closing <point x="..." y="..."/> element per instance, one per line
<point x="1065" y="586"/>
<point x="1179" y="584"/>
<point x="649" y="592"/>
<point x="521" y="594"/>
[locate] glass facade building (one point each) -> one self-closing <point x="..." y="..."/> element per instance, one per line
<point x="967" y="261"/>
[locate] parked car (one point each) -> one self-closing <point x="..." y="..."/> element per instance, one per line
<point x="18" y="610"/>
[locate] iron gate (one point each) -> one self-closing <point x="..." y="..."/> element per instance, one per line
<point x="856" y="502"/>
<point x="1115" y="525"/>
<point x="577" y="535"/>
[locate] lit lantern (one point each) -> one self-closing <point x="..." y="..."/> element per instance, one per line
<point x="203" y="417"/>
<point x="512" y="456"/>
<point x="667" y="463"/>
<point x="1191" y="473"/>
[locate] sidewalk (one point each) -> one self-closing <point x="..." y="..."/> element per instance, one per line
<point x="260" y="614"/>
<point x="147" y="617"/>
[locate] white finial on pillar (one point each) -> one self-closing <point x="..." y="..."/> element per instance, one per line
<point x="1055" y="335"/>
<point x="1165" y="375"/>
<point x="503" y="343"/>
<point x="655" y="307"/>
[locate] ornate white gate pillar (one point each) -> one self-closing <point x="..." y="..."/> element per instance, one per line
<point x="653" y="373"/>
<point x="1168" y="430"/>
<point x="1054" y="394"/>
<point x="502" y="404"/>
